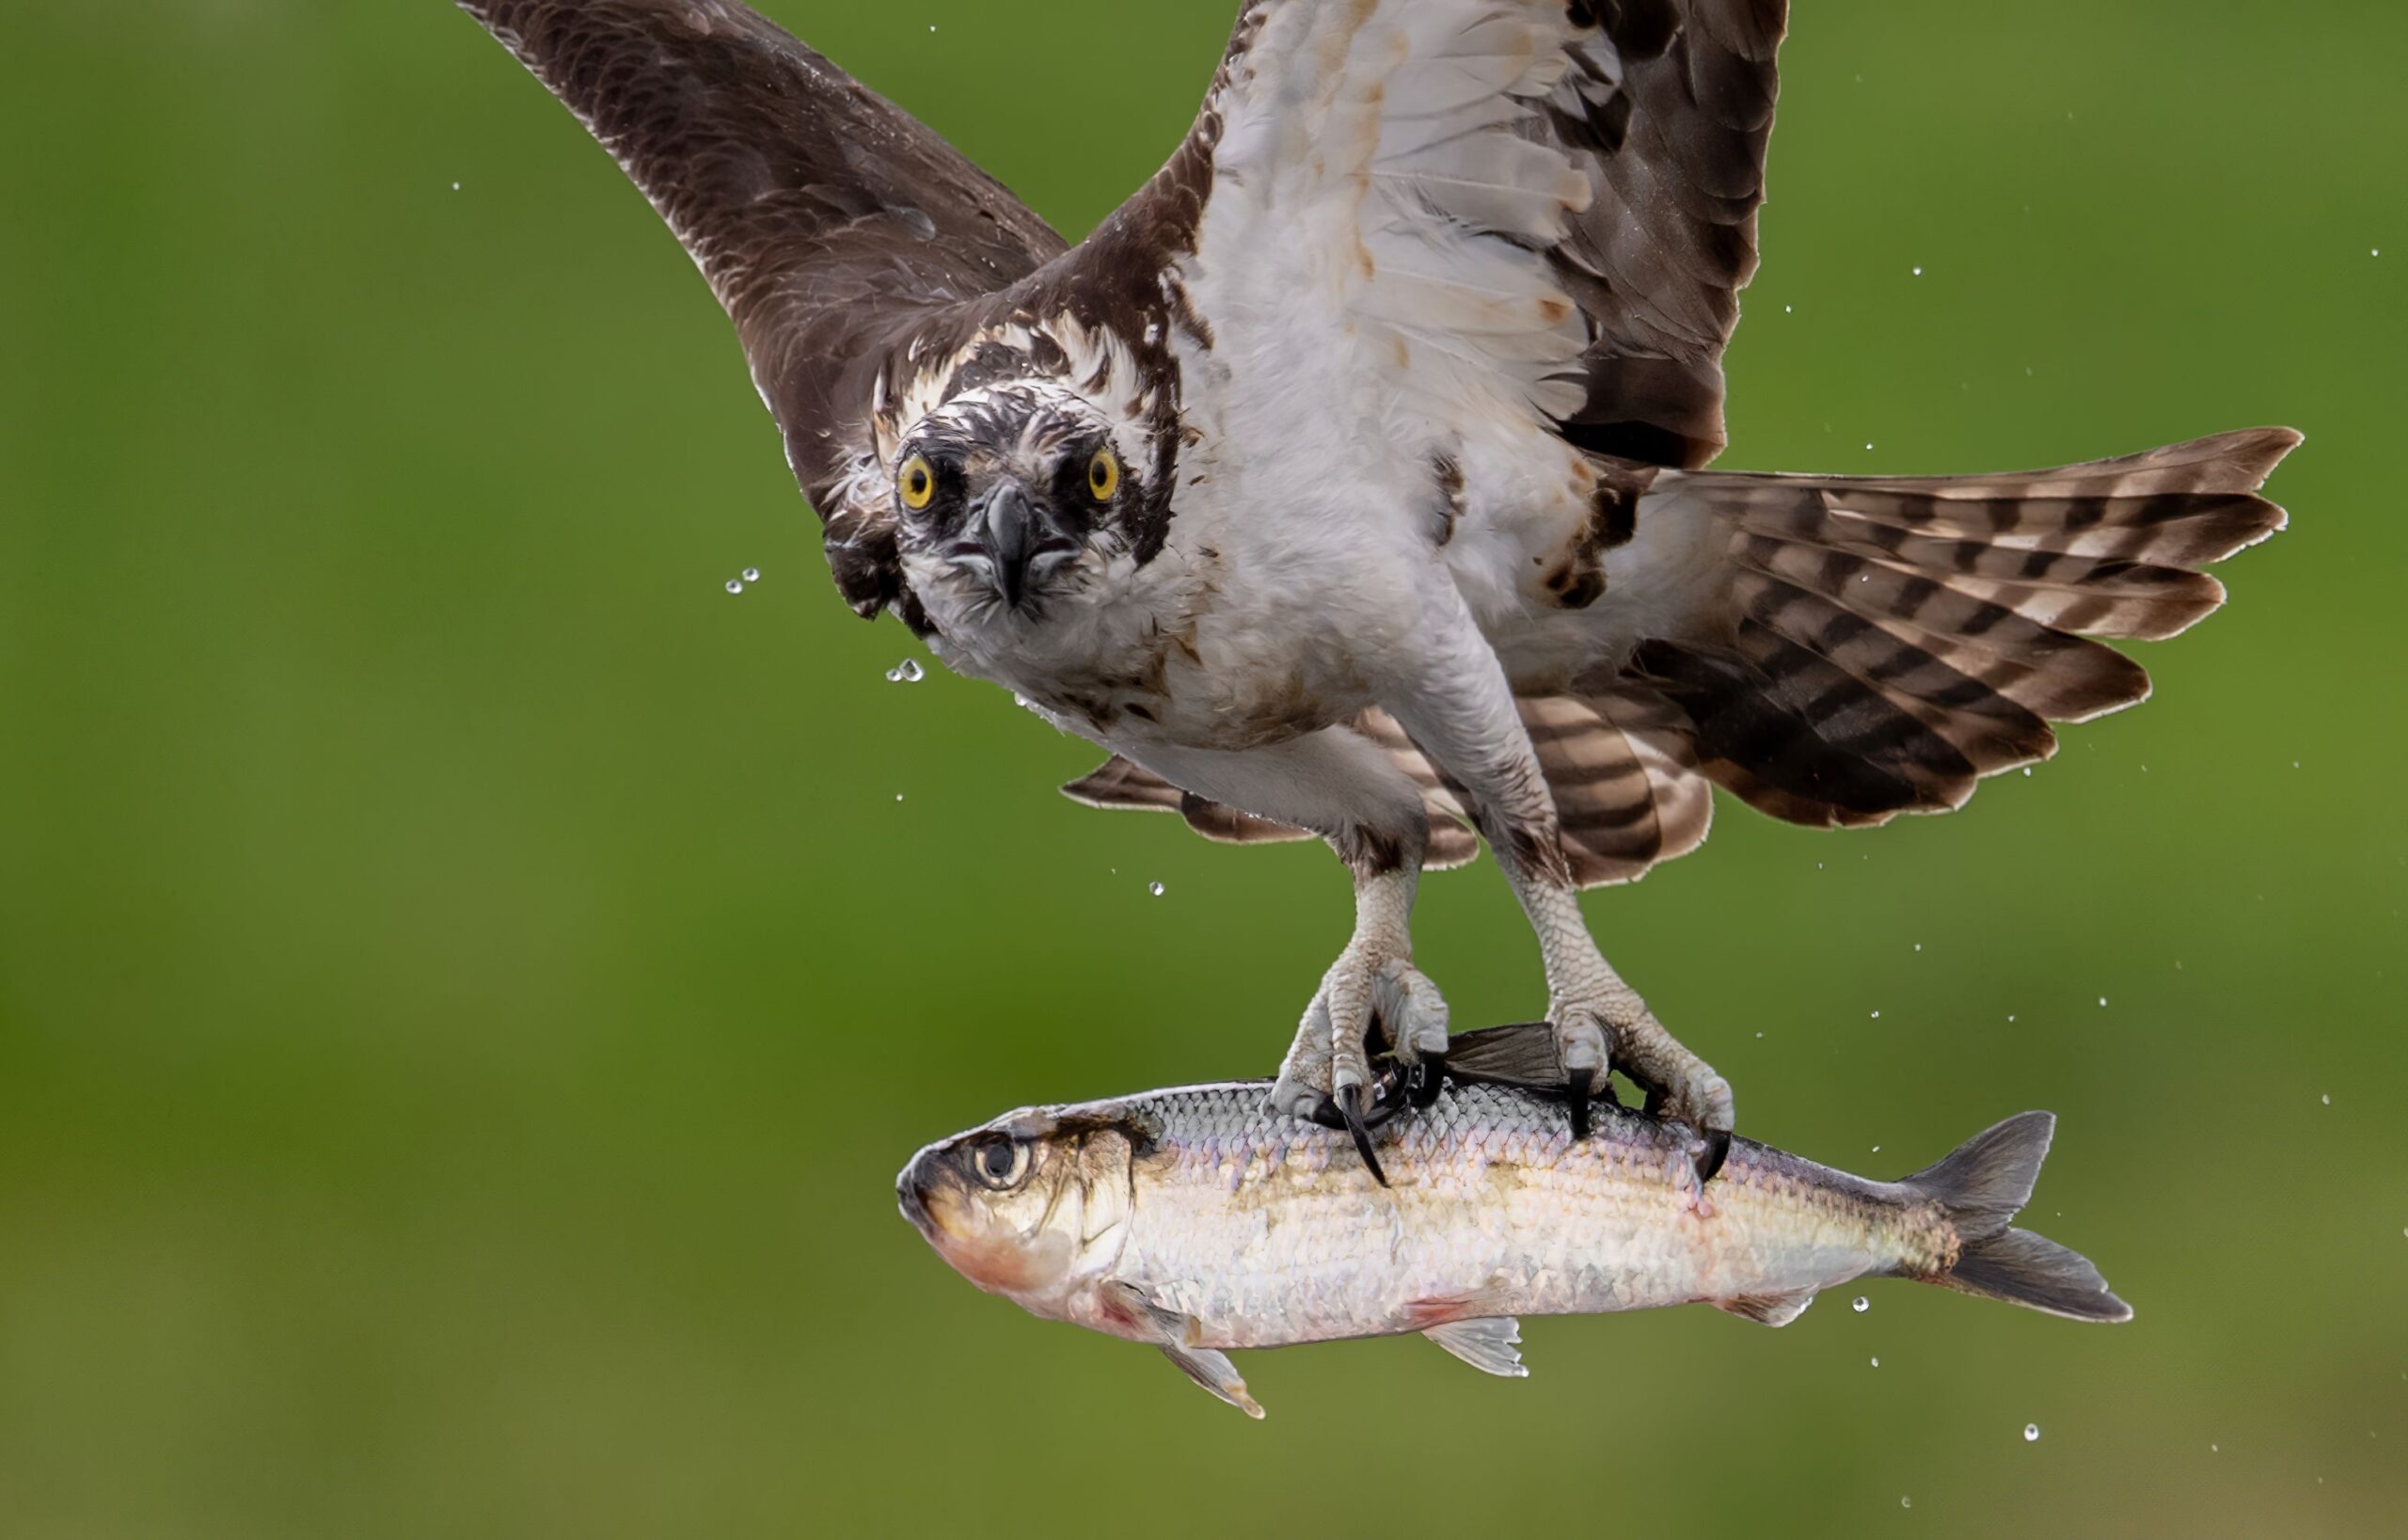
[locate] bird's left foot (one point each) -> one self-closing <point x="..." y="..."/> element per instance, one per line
<point x="1595" y="1036"/>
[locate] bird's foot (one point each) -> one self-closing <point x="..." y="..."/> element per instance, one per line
<point x="1327" y="1076"/>
<point x="1706" y="1154"/>
<point x="1616" y="1032"/>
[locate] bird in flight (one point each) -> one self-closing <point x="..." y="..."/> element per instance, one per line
<point x="1349" y="481"/>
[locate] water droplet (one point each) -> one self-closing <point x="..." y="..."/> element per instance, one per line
<point x="1860" y="1303"/>
<point x="1876" y="1015"/>
<point x="1918" y="947"/>
<point x="1918" y="271"/>
<point x="898" y="796"/>
<point x="455" y="187"/>
<point x="751" y="574"/>
<point x="736" y="585"/>
<point x="1789" y="309"/>
<point x="1905" y="1502"/>
<point x="2031" y="1432"/>
<point x="1876" y="1363"/>
<point x="2328" y="1099"/>
<point x="1154" y="888"/>
<point x="908" y="672"/>
<point x="2102" y="1000"/>
<point x="1877" y="1149"/>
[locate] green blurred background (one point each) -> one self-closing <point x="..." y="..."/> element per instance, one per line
<point x="467" y="982"/>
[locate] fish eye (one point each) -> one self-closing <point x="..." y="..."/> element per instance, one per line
<point x="1103" y="475"/>
<point x="1000" y="1163"/>
<point x="917" y="484"/>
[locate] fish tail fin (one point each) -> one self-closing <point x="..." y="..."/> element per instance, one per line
<point x="1980" y="1186"/>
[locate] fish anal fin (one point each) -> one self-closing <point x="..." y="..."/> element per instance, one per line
<point x="1769" y="1310"/>
<point x="1491" y="1344"/>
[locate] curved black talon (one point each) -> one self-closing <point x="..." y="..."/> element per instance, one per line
<point x="1579" y="1084"/>
<point x="1654" y="1107"/>
<point x="1427" y="1079"/>
<point x="1389" y="1100"/>
<point x="1708" y="1161"/>
<point x="1350" y="1107"/>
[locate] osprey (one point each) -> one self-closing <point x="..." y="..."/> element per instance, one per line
<point x="1349" y="481"/>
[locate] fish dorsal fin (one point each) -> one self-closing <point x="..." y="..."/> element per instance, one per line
<point x="1769" y="1310"/>
<point x="1491" y="1344"/>
<point x="1523" y="1055"/>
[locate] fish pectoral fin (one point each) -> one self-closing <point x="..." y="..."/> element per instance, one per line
<point x="1769" y="1310"/>
<point x="1491" y="1344"/>
<point x="1212" y="1370"/>
<point x="1175" y="1334"/>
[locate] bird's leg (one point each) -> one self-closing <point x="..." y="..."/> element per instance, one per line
<point x="1328" y="1067"/>
<point x="1459" y="709"/>
<point x="1342" y="787"/>
<point x="1599" y="1019"/>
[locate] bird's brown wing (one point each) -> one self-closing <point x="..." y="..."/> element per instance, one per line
<point x="1668" y="107"/>
<point x="833" y="225"/>
<point x="1549" y="206"/>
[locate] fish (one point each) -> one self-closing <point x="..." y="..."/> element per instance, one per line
<point x="1201" y="1222"/>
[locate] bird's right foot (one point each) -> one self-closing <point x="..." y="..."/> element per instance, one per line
<point x="1327" y="1076"/>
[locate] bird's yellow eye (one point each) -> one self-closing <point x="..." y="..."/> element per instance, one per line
<point x="1103" y="475"/>
<point x="918" y="483"/>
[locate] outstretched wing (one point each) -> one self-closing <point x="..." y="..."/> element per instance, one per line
<point x="833" y="225"/>
<point x="1531" y="207"/>
<point x="1666" y="107"/>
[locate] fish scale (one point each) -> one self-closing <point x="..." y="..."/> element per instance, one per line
<point x="1269" y="1233"/>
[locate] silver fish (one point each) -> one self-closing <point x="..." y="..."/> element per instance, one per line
<point x="1198" y="1221"/>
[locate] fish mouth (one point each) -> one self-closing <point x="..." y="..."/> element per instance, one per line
<point x="910" y="1197"/>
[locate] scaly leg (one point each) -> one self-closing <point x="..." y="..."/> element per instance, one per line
<point x="1459" y="709"/>
<point x="1346" y="789"/>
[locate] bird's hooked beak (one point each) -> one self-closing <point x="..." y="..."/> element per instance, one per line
<point x="1015" y="539"/>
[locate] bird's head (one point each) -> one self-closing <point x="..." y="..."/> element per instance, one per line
<point x="1010" y="497"/>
